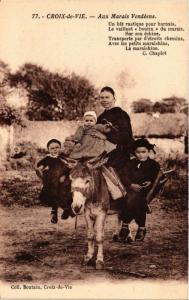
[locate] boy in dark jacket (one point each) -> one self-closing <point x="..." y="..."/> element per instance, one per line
<point x="138" y="177"/>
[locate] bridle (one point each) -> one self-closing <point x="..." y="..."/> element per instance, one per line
<point x="87" y="192"/>
<point x="78" y="189"/>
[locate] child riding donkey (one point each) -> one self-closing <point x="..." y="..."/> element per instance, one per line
<point x="56" y="184"/>
<point x="138" y="176"/>
<point x="91" y="143"/>
<point x="89" y="138"/>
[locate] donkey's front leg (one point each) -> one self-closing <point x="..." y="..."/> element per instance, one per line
<point x="90" y="238"/>
<point x="117" y="226"/>
<point x="99" y="230"/>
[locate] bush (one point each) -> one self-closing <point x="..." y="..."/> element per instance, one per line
<point x="22" y="157"/>
<point x="9" y="116"/>
<point x="142" y="105"/>
<point x="175" y="192"/>
<point x="20" y="190"/>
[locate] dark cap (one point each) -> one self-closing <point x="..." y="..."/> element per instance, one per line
<point x="108" y="89"/>
<point x="53" y="141"/>
<point x="142" y="143"/>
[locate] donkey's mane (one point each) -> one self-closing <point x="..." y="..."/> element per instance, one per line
<point x="81" y="171"/>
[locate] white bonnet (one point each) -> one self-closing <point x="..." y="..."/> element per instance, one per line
<point x="91" y="113"/>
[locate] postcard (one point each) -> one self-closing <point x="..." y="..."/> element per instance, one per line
<point x="94" y="149"/>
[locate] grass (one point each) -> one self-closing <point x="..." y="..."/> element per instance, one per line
<point x="20" y="188"/>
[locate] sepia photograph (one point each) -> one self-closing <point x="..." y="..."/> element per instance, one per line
<point x="94" y="149"/>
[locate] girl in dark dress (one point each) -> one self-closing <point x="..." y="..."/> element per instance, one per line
<point x="118" y="126"/>
<point x="55" y="192"/>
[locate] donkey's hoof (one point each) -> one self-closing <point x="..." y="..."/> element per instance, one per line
<point x="86" y="261"/>
<point x="99" y="265"/>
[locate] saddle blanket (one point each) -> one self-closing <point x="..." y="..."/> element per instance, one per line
<point x="115" y="186"/>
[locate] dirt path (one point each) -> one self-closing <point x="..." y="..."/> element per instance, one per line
<point x="34" y="250"/>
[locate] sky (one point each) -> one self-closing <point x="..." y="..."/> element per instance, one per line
<point x="82" y="46"/>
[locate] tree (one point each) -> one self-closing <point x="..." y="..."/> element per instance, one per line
<point x="4" y="81"/>
<point x="8" y="115"/>
<point x="166" y="105"/>
<point x="53" y="96"/>
<point x="175" y="104"/>
<point x="162" y="108"/>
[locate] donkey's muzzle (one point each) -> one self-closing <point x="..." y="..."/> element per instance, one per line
<point x="77" y="209"/>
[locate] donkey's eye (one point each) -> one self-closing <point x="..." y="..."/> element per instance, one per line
<point x="87" y="181"/>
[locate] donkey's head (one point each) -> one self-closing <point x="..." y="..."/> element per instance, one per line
<point x="82" y="181"/>
<point x="81" y="186"/>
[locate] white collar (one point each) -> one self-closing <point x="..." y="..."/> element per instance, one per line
<point x="50" y="155"/>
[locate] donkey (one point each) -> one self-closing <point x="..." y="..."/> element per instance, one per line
<point x="90" y="195"/>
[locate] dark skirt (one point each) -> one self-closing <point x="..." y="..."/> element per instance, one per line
<point x="54" y="193"/>
<point x="118" y="158"/>
<point x="63" y="200"/>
